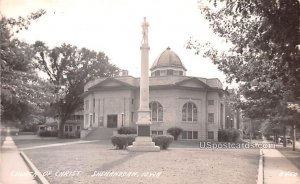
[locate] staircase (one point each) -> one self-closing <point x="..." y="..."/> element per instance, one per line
<point x="100" y="134"/>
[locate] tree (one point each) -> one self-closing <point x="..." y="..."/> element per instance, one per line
<point x="69" y="69"/>
<point x="264" y="58"/>
<point x="22" y="91"/>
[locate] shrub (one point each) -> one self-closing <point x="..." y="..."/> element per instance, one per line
<point x="122" y="141"/>
<point x="235" y="135"/>
<point x="163" y="141"/>
<point x="67" y="135"/>
<point x="127" y="130"/>
<point x="48" y="133"/>
<point x="228" y="135"/>
<point x="223" y="135"/>
<point x="175" y="132"/>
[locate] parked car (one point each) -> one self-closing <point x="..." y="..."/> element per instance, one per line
<point x="288" y="140"/>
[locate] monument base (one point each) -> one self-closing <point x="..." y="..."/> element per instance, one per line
<point x="143" y="144"/>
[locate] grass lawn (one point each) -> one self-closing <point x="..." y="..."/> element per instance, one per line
<point x="293" y="156"/>
<point x="180" y="165"/>
<point x="23" y="141"/>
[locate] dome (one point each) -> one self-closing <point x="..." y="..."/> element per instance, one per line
<point x="168" y="58"/>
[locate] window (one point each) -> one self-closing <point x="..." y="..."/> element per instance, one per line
<point x="157" y="73"/>
<point x="189" y="112"/>
<point x="210" y="135"/>
<point x="132" y="114"/>
<point x="221" y="115"/>
<point x="160" y="132"/>
<point x="132" y="100"/>
<point x="78" y="127"/>
<point x="94" y="103"/>
<point x="86" y="119"/>
<point x="189" y="135"/>
<point x="210" y="117"/>
<point x="180" y="73"/>
<point x="211" y="102"/>
<point x="94" y="119"/>
<point x="176" y="72"/>
<point x="100" y="120"/>
<point x="169" y="72"/>
<point x="66" y="128"/>
<point x="86" y="105"/>
<point x="156" y="111"/>
<point x="91" y="120"/>
<point x="163" y="72"/>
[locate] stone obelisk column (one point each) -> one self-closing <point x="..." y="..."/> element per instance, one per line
<point x="143" y="141"/>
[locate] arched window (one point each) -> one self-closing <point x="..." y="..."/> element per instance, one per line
<point x="156" y="111"/>
<point x="189" y="112"/>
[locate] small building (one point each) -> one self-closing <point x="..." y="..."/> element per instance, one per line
<point x="195" y="104"/>
<point x="73" y="126"/>
<point x="48" y="126"/>
<point x="48" y="129"/>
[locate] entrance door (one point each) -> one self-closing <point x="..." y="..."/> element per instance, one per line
<point x="112" y="121"/>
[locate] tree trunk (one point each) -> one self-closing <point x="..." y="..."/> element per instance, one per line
<point x="61" y="128"/>
<point x="294" y="137"/>
<point x="284" y="136"/>
<point x="251" y="131"/>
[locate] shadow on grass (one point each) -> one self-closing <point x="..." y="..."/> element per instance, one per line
<point x="110" y="165"/>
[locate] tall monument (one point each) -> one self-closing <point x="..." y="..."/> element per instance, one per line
<point x="143" y="142"/>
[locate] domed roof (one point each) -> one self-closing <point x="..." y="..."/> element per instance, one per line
<point x="168" y="58"/>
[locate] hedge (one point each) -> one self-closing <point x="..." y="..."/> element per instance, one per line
<point x="175" y="132"/>
<point x="228" y="135"/>
<point x="48" y="133"/>
<point x="122" y="141"/>
<point x="163" y="141"/>
<point x="127" y="130"/>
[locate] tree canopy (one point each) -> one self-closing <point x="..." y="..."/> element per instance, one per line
<point x="264" y="57"/>
<point x="69" y="69"/>
<point x="21" y="87"/>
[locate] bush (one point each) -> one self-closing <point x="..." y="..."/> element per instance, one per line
<point x="127" y="130"/>
<point x="228" y="135"/>
<point x="48" y="133"/>
<point x="163" y="141"/>
<point x="122" y="141"/>
<point x="175" y="132"/>
<point x="28" y="128"/>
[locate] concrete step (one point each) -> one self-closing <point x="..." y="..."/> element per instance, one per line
<point x="144" y="143"/>
<point x="100" y="134"/>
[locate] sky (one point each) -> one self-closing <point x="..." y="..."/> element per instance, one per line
<point x="114" y="27"/>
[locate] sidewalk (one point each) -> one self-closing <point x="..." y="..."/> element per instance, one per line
<point x="13" y="169"/>
<point x="278" y="169"/>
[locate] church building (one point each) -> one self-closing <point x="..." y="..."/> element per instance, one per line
<point x="193" y="103"/>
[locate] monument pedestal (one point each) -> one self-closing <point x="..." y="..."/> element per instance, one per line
<point x="143" y="142"/>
